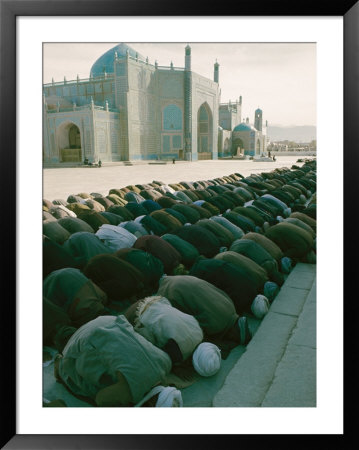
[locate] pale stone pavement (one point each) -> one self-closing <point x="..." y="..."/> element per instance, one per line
<point x="59" y="183"/>
<point x="278" y="367"/>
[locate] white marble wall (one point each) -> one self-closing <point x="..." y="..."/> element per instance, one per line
<point x="139" y="92"/>
<point x="224" y="142"/>
<point x="99" y="134"/>
<point x="204" y="91"/>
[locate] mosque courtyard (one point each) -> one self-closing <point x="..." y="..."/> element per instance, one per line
<point x="62" y="182"/>
<point x="292" y="338"/>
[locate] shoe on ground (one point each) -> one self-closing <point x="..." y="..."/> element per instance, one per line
<point x="260" y="306"/>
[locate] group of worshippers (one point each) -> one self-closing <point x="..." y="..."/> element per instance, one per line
<point x="156" y="278"/>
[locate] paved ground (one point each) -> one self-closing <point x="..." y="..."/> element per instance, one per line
<point x="61" y="182"/>
<point x="278" y="367"/>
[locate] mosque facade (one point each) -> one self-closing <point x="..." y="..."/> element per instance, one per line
<point x="129" y="109"/>
<point x="248" y="139"/>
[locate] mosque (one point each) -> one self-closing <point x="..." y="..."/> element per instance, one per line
<point x="130" y="110"/>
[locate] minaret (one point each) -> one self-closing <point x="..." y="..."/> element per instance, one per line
<point x="216" y="72"/>
<point x="238" y="111"/>
<point x="188" y="102"/>
<point x="258" y="119"/>
<point x="187" y="59"/>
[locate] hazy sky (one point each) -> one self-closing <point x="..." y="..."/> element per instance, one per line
<point x="280" y="78"/>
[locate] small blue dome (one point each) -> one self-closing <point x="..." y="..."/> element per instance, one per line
<point x="105" y="62"/>
<point x="242" y="127"/>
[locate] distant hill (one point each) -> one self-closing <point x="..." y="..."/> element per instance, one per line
<point x="304" y="133"/>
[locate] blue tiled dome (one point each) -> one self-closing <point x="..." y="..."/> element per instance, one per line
<point x="242" y="127"/>
<point x="105" y="62"/>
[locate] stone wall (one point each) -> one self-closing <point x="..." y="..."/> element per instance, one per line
<point x="106" y="136"/>
<point x="142" y="111"/>
<point x="99" y="134"/>
<point x="57" y="125"/>
<point x="172" y="107"/>
<point x="224" y="143"/>
<point x="204" y="91"/>
<point x="80" y="92"/>
<point x="229" y="116"/>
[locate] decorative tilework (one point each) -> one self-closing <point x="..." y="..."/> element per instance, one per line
<point x="176" y="141"/>
<point x="172" y="118"/>
<point x="203" y="115"/>
<point x="166" y="143"/>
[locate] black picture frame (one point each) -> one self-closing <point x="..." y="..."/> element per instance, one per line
<point x="9" y="11"/>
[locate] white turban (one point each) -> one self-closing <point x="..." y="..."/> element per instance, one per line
<point x="207" y="359"/>
<point x="169" y="397"/>
<point x="260" y="306"/>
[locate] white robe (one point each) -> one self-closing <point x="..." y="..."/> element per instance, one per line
<point x="159" y="321"/>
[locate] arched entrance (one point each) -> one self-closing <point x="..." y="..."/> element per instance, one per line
<point x="69" y="142"/>
<point x="237" y="147"/>
<point x="74" y="137"/>
<point x="204" y="132"/>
